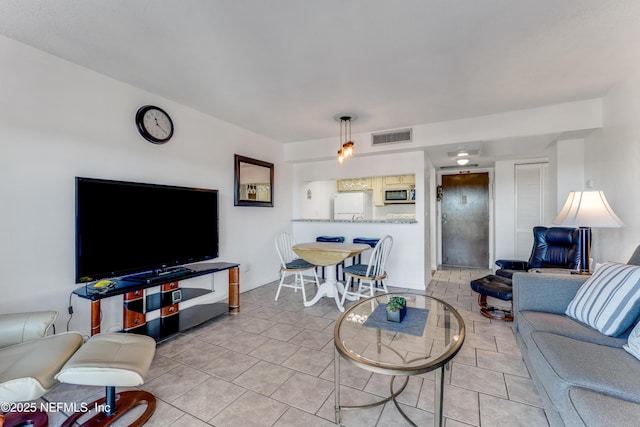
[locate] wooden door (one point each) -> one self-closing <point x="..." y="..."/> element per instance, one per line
<point x="465" y="220"/>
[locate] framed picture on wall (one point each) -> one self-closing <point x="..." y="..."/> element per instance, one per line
<point x="253" y="182"/>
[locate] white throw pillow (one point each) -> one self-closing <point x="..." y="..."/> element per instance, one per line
<point x="608" y="301"/>
<point x="633" y="344"/>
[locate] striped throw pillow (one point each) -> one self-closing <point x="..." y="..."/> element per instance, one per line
<point x="608" y="301"/>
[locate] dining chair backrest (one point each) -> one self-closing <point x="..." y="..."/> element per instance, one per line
<point x="379" y="257"/>
<point x="284" y="246"/>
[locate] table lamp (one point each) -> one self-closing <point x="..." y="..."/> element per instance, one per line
<point x="586" y="209"/>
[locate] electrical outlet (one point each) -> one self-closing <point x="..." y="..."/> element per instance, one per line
<point x="247" y="267"/>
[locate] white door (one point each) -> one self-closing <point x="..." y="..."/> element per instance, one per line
<point x="530" y="188"/>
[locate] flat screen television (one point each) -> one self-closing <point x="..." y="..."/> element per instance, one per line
<point x="124" y="228"/>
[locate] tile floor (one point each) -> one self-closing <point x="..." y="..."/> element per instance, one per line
<point x="272" y="365"/>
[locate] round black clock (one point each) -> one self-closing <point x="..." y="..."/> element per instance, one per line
<point x="154" y="124"/>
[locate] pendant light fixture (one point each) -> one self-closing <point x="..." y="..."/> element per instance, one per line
<point x="346" y="145"/>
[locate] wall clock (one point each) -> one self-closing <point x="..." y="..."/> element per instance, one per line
<point x="154" y="124"/>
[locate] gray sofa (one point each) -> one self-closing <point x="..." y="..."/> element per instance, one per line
<point x="584" y="377"/>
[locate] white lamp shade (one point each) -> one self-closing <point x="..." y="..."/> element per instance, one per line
<point x="587" y="209"/>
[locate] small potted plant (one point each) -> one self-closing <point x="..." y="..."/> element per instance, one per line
<point x="396" y="309"/>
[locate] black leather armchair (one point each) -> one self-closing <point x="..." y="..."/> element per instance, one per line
<point x="554" y="247"/>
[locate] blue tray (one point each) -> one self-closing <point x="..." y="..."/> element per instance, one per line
<point x="412" y="324"/>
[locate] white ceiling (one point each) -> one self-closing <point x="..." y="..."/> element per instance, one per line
<point x="284" y="68"/>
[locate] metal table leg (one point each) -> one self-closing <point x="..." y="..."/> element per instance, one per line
<point x="336" y="378"/>
<point x="438" y="397"/>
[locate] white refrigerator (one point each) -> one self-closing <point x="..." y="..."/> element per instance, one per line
<point x="352" y="206"/>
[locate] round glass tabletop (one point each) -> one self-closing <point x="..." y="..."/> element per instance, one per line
<point x="431" y="334"/>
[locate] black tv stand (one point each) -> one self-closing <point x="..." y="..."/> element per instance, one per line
<point x="173" y="318"/>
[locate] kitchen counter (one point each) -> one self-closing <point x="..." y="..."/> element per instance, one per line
<point x="362" y="221"/>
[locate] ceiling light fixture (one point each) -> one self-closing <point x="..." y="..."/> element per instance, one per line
<point x="462" y="157"/>
<point x="461" y="152"/>
<point x="346" y="145"/>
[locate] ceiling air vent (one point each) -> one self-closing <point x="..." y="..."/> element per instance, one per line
<point x="391" y="137"/>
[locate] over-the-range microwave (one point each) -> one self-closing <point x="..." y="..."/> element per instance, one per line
<point x="400" y="195"/>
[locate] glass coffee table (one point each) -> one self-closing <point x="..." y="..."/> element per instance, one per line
<point x="429" y="336"/>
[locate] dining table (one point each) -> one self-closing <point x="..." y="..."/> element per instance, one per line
<point x="327" y="254"/>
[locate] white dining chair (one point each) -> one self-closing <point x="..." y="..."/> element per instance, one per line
<point x="369" y="274"/>
<point x="290" y="263"/>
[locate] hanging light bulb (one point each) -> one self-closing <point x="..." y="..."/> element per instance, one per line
<point x="345" y="149"/>
<point x="346" y="145"/>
